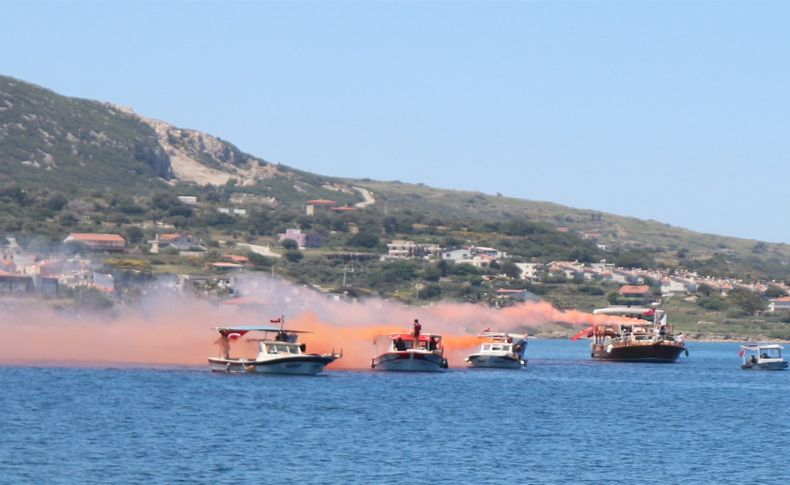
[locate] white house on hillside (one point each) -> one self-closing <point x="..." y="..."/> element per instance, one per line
<point x="781" y="304"/>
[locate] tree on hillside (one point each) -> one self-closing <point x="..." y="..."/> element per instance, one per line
<point x="635" y="258"/>
<point x="714" y="303"/>
<point x="56" y="202"/>
<point x="775" y="292"/>
<point x="363" y="240"/>
<point x="442" y="266"/>
<point x="289" y="244"/>
<point x="134" y="234"/>
<point x="259" y="261"/>
<point x="510" y="269"/>
<point x="749" y="301"/>
<point x="704" y="289"/>
<point x="293" y="255"/>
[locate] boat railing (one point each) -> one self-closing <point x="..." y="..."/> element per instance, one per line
<point x="645" y="338"/>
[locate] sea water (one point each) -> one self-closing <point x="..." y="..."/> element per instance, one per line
<point x="563" y="419"/>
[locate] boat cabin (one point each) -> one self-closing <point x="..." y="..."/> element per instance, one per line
<point x="503" y="342"/>
<point x="762" y="356"/>
<point x="496" y="347"/>
<point x="407" y="341"/>
<point x="275" y="341"/>
<point x="274" y="348"/>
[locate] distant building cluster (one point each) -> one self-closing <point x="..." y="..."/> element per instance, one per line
<point x="477" y="256"/>
<point x="313" y="207"/>
<point x="181" y="242"/>
<point x="302" y="239"/>
<point x="402" y="249"/>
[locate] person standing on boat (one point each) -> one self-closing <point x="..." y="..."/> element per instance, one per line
<point x="224" y="346"/>
<point x="432" y="343"/>
<point x="417" y="328"/>
<point x="400" y="345"/>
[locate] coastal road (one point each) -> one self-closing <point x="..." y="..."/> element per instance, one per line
<point x="262" y="250"/>
<point x="365" y="193"/>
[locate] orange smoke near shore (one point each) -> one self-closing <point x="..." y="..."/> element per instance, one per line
<point x="178" y="330"/>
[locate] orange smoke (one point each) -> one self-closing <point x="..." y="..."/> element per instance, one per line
<point x="174" y="329"/>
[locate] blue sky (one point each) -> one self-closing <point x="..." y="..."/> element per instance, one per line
<point x="674" y="111"/>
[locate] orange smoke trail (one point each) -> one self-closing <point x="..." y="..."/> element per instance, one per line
<point x="44" y="336"/>
<point x="173" y="329"/>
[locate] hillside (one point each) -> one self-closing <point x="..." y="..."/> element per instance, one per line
<point x="669" y="246"/>
<point x="68" y="164"/>
<point x="77" y="146"/>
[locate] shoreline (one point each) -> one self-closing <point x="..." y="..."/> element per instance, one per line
<point x="688" y="338"/>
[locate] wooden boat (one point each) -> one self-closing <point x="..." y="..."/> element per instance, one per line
<point x="642" y="336"/>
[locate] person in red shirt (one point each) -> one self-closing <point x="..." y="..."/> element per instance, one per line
<point x="417" y="328"/>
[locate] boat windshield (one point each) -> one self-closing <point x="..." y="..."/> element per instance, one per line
<point x="770" y="353"/>
<point x="410" y="344"/>
<point x="497" y="347"/>
<point x="282" y="348"/>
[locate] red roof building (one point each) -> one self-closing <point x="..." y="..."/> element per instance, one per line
<point x="97" y="241"/>
<point x="326" y="202"/>
<point x="635" y="290"/>
<point x="318" y="204"/>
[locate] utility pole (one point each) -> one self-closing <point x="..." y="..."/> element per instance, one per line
<point x="348" y="268"/>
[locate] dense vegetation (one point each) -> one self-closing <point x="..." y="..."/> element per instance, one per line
<point x="71" y="165"/>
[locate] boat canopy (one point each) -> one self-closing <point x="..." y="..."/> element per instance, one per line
<point x="424" y="337"/>
<point x="627" y="311"/>
<point x="502" y="336"/>
<point x="242" y="329"/>
<point x="757" y="348"/>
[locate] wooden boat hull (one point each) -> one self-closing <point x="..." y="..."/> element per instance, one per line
<point x="495" y="361"/>
<point x="409" y="361"/>
<point x="658" y="353"/>
<point x="296" y="365"/>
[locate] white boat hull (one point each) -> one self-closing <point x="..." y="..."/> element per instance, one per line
<point x="297" y="365"/>
<point x="495" y="361"/>
<point x="409" y="361"/>
<point x="776" y="365"/>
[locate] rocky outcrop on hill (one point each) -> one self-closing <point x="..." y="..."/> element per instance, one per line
<point x="204" y="159"/>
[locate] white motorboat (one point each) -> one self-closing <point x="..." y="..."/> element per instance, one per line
<point x="500" y="350"/>
<point x="279" y="352"/>
<point x="412" y="352"/>
<point x="762" y="357"/>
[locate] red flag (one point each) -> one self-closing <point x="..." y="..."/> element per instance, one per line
<point x="587" y="332"/>
<point x="275" y="320"/>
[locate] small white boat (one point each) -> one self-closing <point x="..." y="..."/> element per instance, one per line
<point x="762" y="357"/>
<point x="412" y="352"/>
<point x="500" y="350"/>
<point x="279" y="352"/>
